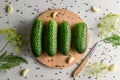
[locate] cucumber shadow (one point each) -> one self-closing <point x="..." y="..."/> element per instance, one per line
<point x="24" y="30"/>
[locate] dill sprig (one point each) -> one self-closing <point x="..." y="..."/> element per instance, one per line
<point x="114" y="39"/>
<point x="110" y="29"/>
<point x="97" y="69"/>
<point x="110" y="24"/>
<point x="10" y="61"/>
<point x="13" y="38"/>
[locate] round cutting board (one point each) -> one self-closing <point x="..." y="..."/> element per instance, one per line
<point x="59" y="60"/>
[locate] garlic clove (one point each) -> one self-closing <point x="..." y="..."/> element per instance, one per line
<point x="54" y="14"/>
<point x="70" y="59"/>
<point x="9" y="8"/>
<point x="112" y="67"/>
<point x="25" y="72"/>
<point x="94" y="9"/>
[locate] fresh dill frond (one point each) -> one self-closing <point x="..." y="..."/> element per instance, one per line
<point x="13" y="38"/>
<point x="114" y="39"/>
<point x="10" y="61"/>
<point x="97" y="69"/>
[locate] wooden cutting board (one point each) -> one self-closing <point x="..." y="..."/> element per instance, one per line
<point x="59" y="60"/>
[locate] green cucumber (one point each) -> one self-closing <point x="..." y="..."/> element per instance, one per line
<point x="80" y="37"/>
<point x="51" y="38"/>
<point x="36" y="37"/>
<point x="65" y="37"/>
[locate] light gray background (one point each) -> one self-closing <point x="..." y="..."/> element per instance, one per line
<point x="25" y="11"/>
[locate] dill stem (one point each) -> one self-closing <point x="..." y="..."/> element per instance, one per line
<point x="116" y="30"/>
<point x="4" y="47"/>
<point x="97" y="76"/>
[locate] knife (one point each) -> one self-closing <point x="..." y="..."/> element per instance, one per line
<point x="85" y="60"/>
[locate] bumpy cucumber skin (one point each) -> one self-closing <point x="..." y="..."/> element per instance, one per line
<point x="80" y="37"/>
<point x="51" y="38"/>
<point x="36" y="37"/>
<point x="65" y="38"/>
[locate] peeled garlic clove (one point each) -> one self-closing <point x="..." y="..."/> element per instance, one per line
<point x="54" y="14"/>
<point x="112" y="67"/>
<point x="70" y="59"/>
<point x="95" y="9"/>
<point x="25" y="72"/>
<point x="9" y="8"/>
